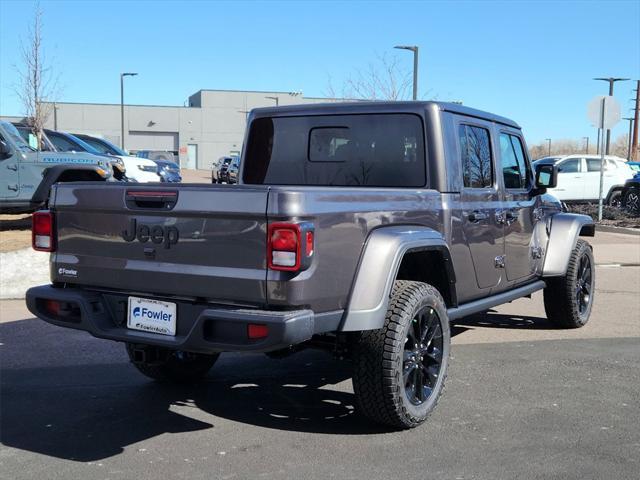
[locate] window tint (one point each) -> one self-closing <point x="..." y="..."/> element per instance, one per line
<point x="62" y="144"/>
<point x="570" y="166"/>
<point x="97" y="145"/>
<point x="341" y="150"/>
<point x="475" y="149"/>
<point x="514" y="166"/>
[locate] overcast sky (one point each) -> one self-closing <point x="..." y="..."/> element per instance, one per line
<point x="530" y="61"/>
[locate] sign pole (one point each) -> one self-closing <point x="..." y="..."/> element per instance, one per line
<point x="602" y="151"/>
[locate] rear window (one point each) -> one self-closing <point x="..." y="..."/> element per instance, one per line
<point x="337" y="150"/>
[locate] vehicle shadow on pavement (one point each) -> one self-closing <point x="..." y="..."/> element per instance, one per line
<point x="492" y="319"/>
<point x="67" y="395"/>
<point x="14" y="222"/>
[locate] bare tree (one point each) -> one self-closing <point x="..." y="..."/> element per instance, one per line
<point x="567" y="147"/>
<point x="620" y="146"/>
<point x="36" y="85"/>
<point x="383" y="79"/>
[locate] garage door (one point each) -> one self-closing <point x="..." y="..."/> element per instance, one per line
<point x="153" y="141"/>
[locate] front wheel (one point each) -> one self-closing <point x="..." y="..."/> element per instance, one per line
<point x="631" y="201"/>
<point x="615" y="199"/>
<point x="165" y="365"/>
<point x="400" y="369"/>
<point x="568" y="300"/>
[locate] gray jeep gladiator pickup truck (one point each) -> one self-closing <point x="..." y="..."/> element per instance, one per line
<point x="362" y="228"/>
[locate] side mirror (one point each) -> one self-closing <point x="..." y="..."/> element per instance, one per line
<point x="5" y="151"/>
<point x="546" y="176"/>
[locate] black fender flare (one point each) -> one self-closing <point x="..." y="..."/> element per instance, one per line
<point x="52" y="174"/>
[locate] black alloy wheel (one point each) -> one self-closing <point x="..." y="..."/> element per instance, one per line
<point x="584" y="284"/>
<point x="422" y="359"/>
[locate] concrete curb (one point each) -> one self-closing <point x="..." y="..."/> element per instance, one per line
<point x="624" y="230"/>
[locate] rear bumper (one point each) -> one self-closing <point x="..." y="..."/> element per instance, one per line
<point x="200" y="327"/>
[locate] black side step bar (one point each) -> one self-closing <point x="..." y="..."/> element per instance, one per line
<point x="486" y="303"/>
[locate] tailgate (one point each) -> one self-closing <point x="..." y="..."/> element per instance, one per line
<point x="204" y="241"/>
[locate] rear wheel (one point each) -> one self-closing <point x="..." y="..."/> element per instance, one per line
<point x="568" y="300"/>
<point x="165" y="365"/>
<point x="400" y="369"/>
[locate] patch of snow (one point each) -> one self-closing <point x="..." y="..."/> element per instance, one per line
<point x="21" y="270"/>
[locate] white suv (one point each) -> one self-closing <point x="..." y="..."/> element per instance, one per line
<point x="579" y="177"/>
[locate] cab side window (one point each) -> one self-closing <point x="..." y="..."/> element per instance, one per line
<point x="475" y="150"/>
<point x="515" y="169"/>
<point x="572" y="165"/>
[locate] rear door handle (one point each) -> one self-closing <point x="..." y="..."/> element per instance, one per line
<point x="477" y="216"/>
<point x="13" y="167"/>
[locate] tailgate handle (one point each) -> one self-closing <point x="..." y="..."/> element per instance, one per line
<point x="152" y="199"/>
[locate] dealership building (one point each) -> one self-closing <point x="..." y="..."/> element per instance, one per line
<point x="211" y="126"/>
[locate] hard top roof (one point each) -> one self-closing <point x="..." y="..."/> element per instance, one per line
<point x="342" y="108"/>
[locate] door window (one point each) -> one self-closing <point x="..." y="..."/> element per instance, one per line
<point x="515" y="169"/>
<point x="571" y="166"/>
<point x="475" y="150"/>
<point x="63" y="145"/>
<point x="593" y="164"/>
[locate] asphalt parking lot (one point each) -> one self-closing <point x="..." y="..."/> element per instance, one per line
<point x="523" y="400"/>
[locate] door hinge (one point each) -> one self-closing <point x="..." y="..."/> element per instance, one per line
<point x="499" y="261"/>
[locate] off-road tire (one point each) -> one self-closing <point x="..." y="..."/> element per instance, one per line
<point x="561" y="294"/>
<point x="175" y="366"/>
<point x="378" y="379"/>
<point x="615" y="199"/>
<point x="631" y="201"/>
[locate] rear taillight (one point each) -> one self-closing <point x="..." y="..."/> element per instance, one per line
<point x="42" y="237"/>
<point x="289" y="246"/>
<point x="284" y="247"/>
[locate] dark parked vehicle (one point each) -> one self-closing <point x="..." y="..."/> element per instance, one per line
<point x="363" y="229"/>
<point x="169" y="171"/>
<point x="65" y="142"/>
<point x="631" y="195"/>
<point x="138" y="169"/>
<point x="219" y="169"/>
<point x="229" y="172"/>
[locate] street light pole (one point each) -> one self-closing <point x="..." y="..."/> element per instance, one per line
<point x="630" y="119"/>
<point x="549" y="140"/>
<point x="587" y="149"/>
<point x="122" y="75"/>
<point x="611" y="81"/>
<point x="636" y="118"/>
<point x="414" y="49"/>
